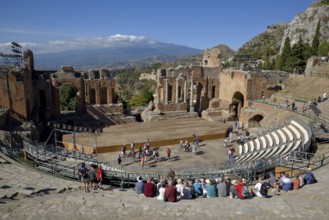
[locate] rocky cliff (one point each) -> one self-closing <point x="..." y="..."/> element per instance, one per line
<point x="304" y="24"/>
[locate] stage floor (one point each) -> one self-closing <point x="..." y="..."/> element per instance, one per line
<point x="160" y="133"/>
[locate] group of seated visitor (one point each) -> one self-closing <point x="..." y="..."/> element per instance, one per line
<point x="173" y="190"/>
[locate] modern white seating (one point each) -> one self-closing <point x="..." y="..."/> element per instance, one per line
<point x="276" y="138"/>
<point x="262" y="139"/>
<point x="282" y="135"/>
<point x="257" y="143"/>
<point x="269" y="139"/>
<point x="303" y="130"/>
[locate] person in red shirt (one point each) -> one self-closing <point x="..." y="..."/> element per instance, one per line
<point x="239" y="187"/>
<point x="170" y="194"/>
<point x="296" y="182"/>
<point x="168" y="152"/>
<point x="149" y="188"/>
<point x="99" y="176"/>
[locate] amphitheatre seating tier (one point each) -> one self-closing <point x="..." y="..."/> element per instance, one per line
<point x="282" y="135"/>
<point x="276" y="138"/>
<point x="271" y="145"/>
<point x="303" y="130"/>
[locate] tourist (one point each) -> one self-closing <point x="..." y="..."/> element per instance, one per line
<point x="221" y="188"/>
<point x="192" y="189"/>
<point x="284" y="183"/>
<point x="230" y="136"/>
<point x="309" y="177"/>
<point x="211" y="188"/>
<point x="228" y="185"/>
<point x="181" y="143"/>
<point x="170" y="194"/>
<point x="170" y="174"/>
<point x="197" y="188"/>
<point x="143" y="159"/>
<point x="123" y="150"/>
<point x="92" y="176"/>
<point x="149" y="188"/>
<point x="162" y="191"/>
<point x="257" y="189"/>
<point x="225" y="143"/>
<point x="83" y="174"/>
<point x="186" y="191"/>
<point x="324" y="97"/>
<point x="293" y="106"/>
<point x="272" y="180"/>
<point x="203" y="186"/>
<point x="132" y="145"/>
<point x="140" y="152"/>
<point x="99" y="175"/>
<point x="233" y="190"/>
<point x="119" y="160"/>
<point x="187" y="146"/>
<point x="179" y="187"/>
<point x="168" y="152"/>
<point x="139" y="186"/>
<point x="301" y="179"/>
<point x="296" y="182"/>
<point x="194" y="149"/>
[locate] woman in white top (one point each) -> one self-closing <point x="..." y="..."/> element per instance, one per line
<point x="161" y="192"/>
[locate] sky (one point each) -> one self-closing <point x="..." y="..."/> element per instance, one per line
<point x="58" y="25"/>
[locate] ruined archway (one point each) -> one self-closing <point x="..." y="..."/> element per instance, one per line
<point x="78" y="85"/>
<point x="67" y="97"/>
<point x="237" y="104"/>
<point x="254" y="122"/>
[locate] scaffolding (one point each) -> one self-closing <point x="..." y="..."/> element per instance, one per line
<point x="11" y="55"/>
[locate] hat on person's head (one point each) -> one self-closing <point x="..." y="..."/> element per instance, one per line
<point x="139" y="179"/>
<point x="309" y="169"/>
<point x="244" y="180"/>
<point x="209" y="181"/>
<point x="234" y="182"/>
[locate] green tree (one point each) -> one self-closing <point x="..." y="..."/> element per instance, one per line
<point x="324" y="49"/>
<point x="285" y="55"/>
<point x="316" y="40"/>
<point x="67" y="94"/>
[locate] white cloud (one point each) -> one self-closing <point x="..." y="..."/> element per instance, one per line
<point x="81" y="43"/>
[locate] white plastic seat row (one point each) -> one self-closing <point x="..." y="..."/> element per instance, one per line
<point x="295" y="131"/>
<point x="302" y="129"/>
<point x="269" y="139"/>
<point x="276" y="138"/>
<point x="282" y="135"/>
<point x="288" y="132"/>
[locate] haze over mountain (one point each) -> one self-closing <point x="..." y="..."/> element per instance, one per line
<point x="122" y="55"/>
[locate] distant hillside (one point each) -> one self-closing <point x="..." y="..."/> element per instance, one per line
<point x="226" y="52"/>
<point x="265" y="44"/>
<point x="114" y="57"/>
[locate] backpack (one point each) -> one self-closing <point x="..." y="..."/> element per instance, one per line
<point x="245" y="191"/>
<point x="263" y="189"/>
<point x="84" y="172"/>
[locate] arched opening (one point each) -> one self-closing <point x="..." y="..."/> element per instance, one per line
<point x="237" y="104"/>
<point x="179" y="93"/>
<point x="169" y="93"/>
<point x="92" y="97"/>
<point x="103" y="95"/>
<point x="199" y="95"/>
<point x="254" y="122"/>
<point x="67" y="97"/>
<point x="205" y="62"/>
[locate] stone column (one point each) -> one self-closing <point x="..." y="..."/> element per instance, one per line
<point x="165" y="90"/>
<point x="157" y="95"/>
<point x="177" y="90"/>
<point x="191" y="96"/>
<point x="185" y="91"/>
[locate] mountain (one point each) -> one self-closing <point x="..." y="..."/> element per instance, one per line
<point x="270" y="42"/>
<point x="138" y="54"/>
<point x="265" y="44"/>
<point x="304" y="24"/>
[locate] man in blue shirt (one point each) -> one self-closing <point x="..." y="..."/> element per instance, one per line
<point x="309" y="176"/>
